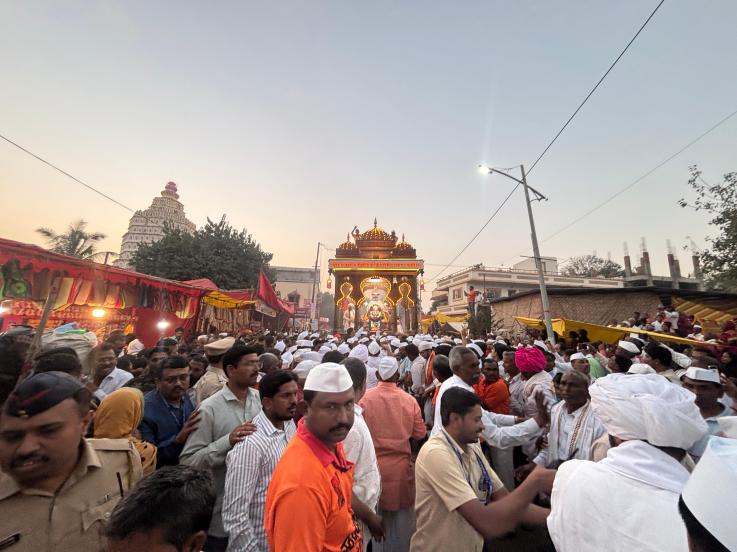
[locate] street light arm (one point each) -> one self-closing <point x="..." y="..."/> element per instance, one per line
<point x="490" y="170"/>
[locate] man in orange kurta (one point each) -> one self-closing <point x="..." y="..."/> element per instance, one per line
<point x="393" y="418"/>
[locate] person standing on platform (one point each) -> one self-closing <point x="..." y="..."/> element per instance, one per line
<point x="393" y="418"/>
<point x="225" y="419"/>
<point x="471" y="299"/>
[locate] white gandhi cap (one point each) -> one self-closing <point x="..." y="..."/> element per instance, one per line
<point x="328" y="377"/>
<point x="709" y="493"/>
<point x="629" y="347"/>
<point x="388" y="367"/>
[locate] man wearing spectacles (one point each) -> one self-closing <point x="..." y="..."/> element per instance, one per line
<point x="168" y="414"/>
<point x="225" y="419"/>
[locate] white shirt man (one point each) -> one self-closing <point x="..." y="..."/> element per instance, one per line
<point x="418" y="367"/>
<point x="112" y="382"/>
<point x="372" y="365"/>
<point x="359" y="449"/>
<point x="499" y="429"/>
<point x="648" y="418"/>
<point x="571" y="435"/>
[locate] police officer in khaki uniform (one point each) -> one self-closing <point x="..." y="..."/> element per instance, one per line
<point x="57" y="489"/>
<point x="214" y="377"/>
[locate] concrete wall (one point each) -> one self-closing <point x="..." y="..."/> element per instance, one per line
<point x="597" y="308"/>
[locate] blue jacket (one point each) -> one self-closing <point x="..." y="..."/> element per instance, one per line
<point x="160" y="425"/>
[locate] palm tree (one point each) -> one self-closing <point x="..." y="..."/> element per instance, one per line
<point x="75" y="242"/>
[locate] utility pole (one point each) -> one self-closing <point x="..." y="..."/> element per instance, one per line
<point x="483" y="169"/>
<point x="313" y="310"/>
<point x="538" y="260"/>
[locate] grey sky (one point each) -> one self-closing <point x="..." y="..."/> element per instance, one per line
<point x="300" y="120"/>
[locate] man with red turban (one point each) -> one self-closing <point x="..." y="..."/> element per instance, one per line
<point x="531" y="363"/>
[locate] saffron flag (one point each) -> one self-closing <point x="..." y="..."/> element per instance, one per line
<point x="266" y="292"/>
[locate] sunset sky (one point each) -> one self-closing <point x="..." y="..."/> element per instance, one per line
<point x="299" y="120"/>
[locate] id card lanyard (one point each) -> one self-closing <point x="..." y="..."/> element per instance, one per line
<point x="485" y="477"/>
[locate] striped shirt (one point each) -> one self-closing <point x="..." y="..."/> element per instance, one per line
<point x="249" y="467"/>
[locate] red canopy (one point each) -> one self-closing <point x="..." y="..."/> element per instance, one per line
<point x="41" y="259"/>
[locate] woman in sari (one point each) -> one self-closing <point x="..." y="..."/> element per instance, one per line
<point x="118" y="417"/>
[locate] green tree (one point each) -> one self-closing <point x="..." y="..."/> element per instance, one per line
<point x="591" y="266"/>
<point x="75" y="242"/>
<point x="231" y="258"/>
<point x="720" y="202"/>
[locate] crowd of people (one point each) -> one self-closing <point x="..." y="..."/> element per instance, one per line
<point x="353" y="441"/>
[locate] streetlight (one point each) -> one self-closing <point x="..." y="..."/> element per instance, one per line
<point x="483" y="169"/>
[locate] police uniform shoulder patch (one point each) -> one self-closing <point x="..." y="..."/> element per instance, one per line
<point x="111" y="444"/>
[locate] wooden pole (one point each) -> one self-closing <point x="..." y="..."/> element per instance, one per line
<point x="50" y="300"/>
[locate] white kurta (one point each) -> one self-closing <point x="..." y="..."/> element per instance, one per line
<point x="508" y="435"/>
<point x="418" y="374"/>
<point x="627" y="502"/>
<point x="571" y="435"/>
<point x="371" y="367"/>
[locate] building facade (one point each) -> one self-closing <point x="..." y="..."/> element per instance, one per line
<point x="148" y="226"/>
<point x="296" y="284"/>
<point x="496" y="283"/>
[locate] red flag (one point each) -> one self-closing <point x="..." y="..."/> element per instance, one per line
<point x="266" y="292"/>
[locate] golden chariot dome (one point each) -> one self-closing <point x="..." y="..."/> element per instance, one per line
<point x="404" y="250"/>
<point x="347" y="248"/>
<point x="375" y="243"/>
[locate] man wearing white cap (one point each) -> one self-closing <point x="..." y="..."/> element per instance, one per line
<point x="499" y="429"/>
<point x="627" y="349"/>
<point x="580" y="363"/>
<point x="214" y="378"/>
<point x="707" y="388"/>
<point x="707" y="503"/>
<point x="372" y="364"/>
<point x="651" y="424"/>
<point x="393" y="418"/>
<point x="696" y="335"/>
<point x="418" y="366"/>
<point x="309" y="504"/>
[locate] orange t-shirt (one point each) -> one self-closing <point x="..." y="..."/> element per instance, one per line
<point x="308" y="503"/>
<point x="494" y="396"/>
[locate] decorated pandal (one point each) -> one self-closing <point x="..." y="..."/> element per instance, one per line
<point x="377" y="282"/>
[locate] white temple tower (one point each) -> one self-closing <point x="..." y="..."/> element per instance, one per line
<point x="148" y="226"/>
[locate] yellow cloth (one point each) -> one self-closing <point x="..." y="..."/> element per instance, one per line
<point x="597" y="332"/>
<point x="118" y="417"/>
<point x="442" y="319"/>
